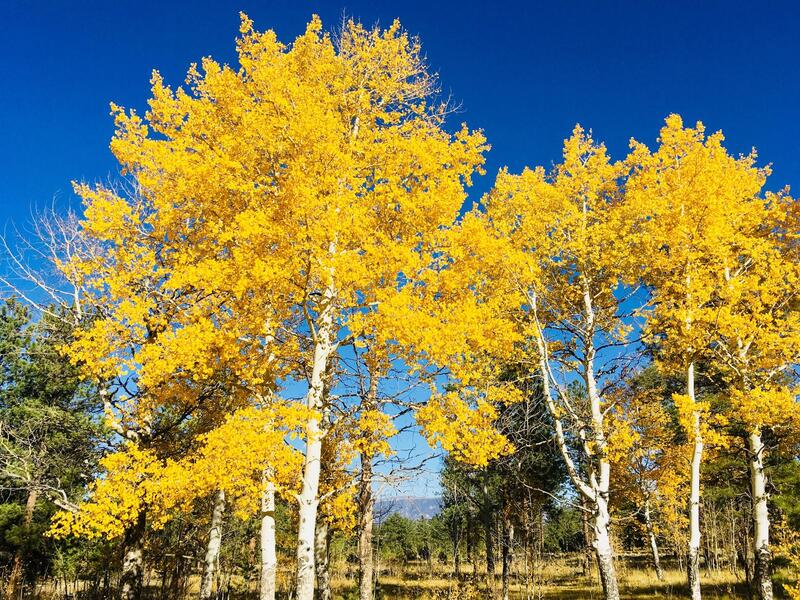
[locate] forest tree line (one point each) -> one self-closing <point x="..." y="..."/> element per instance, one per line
<point x="289" y="270"/>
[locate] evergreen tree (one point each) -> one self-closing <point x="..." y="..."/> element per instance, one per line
<point x="49" y="436"/>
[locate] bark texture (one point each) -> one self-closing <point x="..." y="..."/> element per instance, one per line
<point x="321" y="549"/>
<point x="132" y="575"/>
<point x="600" y="471"/>
<point x="693" y="554"/>
<point x="762" y="577"/>
<point x="367" y="506"/>
<point x="269" y="560"/>
<point x="308" y="499"/>
<point x="366" y="503"/>
<point x="604" y="550"/>
<point x="212" y="550"/>
<point x="587" y="539"/>
<point x="594" y="488"/>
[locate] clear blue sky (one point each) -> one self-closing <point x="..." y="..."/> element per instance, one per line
<point x="524" y="72"/>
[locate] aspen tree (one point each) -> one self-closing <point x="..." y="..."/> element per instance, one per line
<point x="214" y="543"/>
<point x="152" y="344"/>
<point x="645" y="453"/>
<point x="372" y="429"/>
<point x="570" y="226"/>
<point x="337" y="497"/>
<point x="130" y="321"/>
<point x="289" y="190"/>
<point x="757" y="343"/>
<point x="63" y="241"/>
<point x="248" y="458"/>
<point x="687" y="188"/>
<point x="230" y="459"/>
<point x="366" y="500"/>
<point x="531" y="280"/>
<point x="106" y="256"/>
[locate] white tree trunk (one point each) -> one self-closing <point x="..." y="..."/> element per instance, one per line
<point x="321" y="550"/>
<point x="307" y="512"/>
<point x="693" y="558"/>
<point x="367" y="503"/>
<point x="651" y="534"/>
<point x="269" y="559"/>
<point x="308" y="499"/>
<point x="758" y="489"/>
<point x="596" y="490"/>
<point x="603" y="548"/>
<point x="600" y="474"/>
<point x="214" y="544"/>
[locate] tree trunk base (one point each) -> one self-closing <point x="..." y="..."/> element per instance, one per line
<point x="762" y="581"/>
<point x="693" y="571"/>
<point x="608" y="576"/>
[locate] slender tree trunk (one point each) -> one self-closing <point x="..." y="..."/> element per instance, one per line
<point x="651" y="534"/>
<point x="322" y="548"/>
<point x="596" y="491"/>
<point x="604" y="550"/>
<point x="13" y="588"/>
<point x="508" y="547"/>
<point x="601" y="479"/>
<point x="307" y="513"/>
<point x="214" y="543"/>
<point x="269" y="559"/>
<point x="693" y="554"/>
<point x="758" y="489"/>
<point x="455" y="534"/>
<point x="366" y="503"/>
<point x="733" y="562"/>
<point x="367" y="506"/>
<point x="487" y="516"/>
<point x="488" y="520"/>
<point x="132" y="575"/>
<point x="747" y="555"/>
<point x="587" y="540"/>
<point x="308" y="499"/>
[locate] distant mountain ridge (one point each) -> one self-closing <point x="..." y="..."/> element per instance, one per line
<point x="410" y="507"/>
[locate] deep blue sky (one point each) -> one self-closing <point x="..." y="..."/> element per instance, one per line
<point x="524" y="72"/>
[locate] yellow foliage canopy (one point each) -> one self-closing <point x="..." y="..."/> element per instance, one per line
<point x="248" y="449"/>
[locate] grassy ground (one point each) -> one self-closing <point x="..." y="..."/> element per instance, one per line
<point x="558" y="580"/>
<point x="637" y="586"/>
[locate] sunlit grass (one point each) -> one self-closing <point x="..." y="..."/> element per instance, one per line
<point x="556" y="579"/>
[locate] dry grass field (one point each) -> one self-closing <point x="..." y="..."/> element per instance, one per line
<point x="558" y="579"/>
